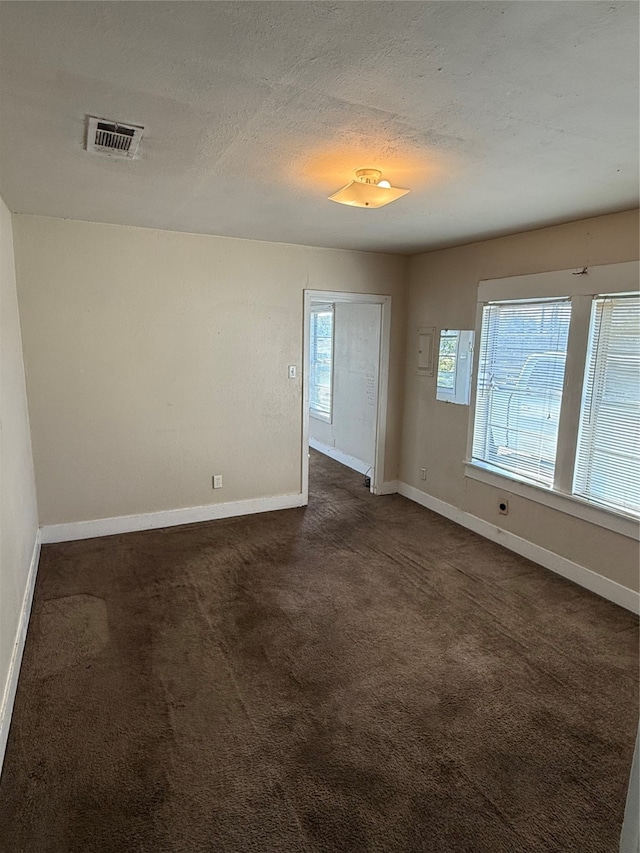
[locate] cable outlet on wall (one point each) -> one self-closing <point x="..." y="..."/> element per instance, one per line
<point x="217" y="481"/>
<point x="503" y="507"/>
<point x="423" y="473"/>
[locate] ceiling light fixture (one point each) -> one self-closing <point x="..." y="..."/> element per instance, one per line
<point x="367" y="190"/>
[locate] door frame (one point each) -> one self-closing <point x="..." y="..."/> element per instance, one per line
<point x="383" y="379"/>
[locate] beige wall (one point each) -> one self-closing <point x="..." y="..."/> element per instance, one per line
<point x="152" y="357"/>
<point x="18" y="515"/>
<point x="156" y="359"/>
<point x="443" y="293"/>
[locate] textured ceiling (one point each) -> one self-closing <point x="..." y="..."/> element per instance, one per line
<point x="498" y="116"/>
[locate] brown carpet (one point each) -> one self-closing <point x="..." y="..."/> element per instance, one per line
<point x="361" y="675"/>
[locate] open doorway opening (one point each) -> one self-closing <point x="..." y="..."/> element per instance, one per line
<point x="345" y="380"/>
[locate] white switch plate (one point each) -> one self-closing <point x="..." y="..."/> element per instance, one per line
<point x="292" y="371"/>
<point x="217" y="481"/>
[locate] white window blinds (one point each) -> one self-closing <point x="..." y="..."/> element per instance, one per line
<point x="523" y="349"/>
<point x="321" y="362"/>
<point x="608" y="457"/>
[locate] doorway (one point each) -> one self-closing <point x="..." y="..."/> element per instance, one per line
<point x="345" y="381"/>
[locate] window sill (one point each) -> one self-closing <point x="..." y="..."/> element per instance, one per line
<point x="568" y="504"/>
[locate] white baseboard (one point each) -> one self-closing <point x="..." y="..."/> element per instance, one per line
<point x="344" y="458"/>
<point x="389" y="487"/>
<point x="165" y="518"/>
<point x="11" y="684"/>
<point x="592" y="581"/>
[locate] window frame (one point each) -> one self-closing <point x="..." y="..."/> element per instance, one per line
<point x="581" y="287"/>
<point x="449" y="391"/>
<point x="317" y="308"/>
<point x="460" y="393"/>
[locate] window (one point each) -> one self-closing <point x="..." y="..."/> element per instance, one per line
<point x="608" y="457"/>
<point x="321" y="362"/>
<point x="454" y="366"/>
<point x="557" y="403"/>
<point x="447" y="359"/>
<point x="523" y="348"/>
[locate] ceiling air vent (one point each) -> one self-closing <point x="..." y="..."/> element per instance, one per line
<point x="113" y="138"/>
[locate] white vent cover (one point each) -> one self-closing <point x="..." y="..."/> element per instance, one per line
<point x="113" y="138"/>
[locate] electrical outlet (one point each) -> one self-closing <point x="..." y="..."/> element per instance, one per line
<point x="292" y="371"/>
<point x="503" y="507"/>
<point x="217" y="481"/>
<point x="423" y="473"/>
